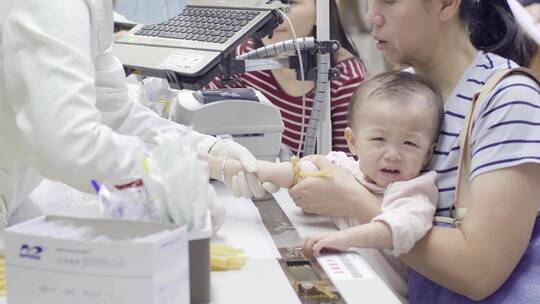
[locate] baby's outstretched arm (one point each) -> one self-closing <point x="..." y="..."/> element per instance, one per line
<point x="280" y="174"/>
<point x="371" y="235"/>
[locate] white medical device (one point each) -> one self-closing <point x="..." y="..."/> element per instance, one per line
<point x="245" y="114"/>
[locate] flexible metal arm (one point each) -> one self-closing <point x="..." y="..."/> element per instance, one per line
<point x="307" y="43"/>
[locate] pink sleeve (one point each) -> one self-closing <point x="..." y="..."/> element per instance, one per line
<point x="341" y="160"/>
<point x="408" y="208"/>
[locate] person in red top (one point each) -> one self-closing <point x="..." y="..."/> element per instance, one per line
<point x="283" y="89"/>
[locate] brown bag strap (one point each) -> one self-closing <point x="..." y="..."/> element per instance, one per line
<point x="462" y="193"/>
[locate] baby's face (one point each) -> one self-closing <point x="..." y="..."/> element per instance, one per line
<point x="393" y="139"/>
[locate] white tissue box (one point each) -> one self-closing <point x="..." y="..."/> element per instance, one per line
<point x="49" y="270"/>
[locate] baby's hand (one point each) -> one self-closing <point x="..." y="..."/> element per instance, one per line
<point x="313" y="245"/>
<point x="307" y="166"/>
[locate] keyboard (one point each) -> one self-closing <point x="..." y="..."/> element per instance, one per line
<point x="214" y="25"/>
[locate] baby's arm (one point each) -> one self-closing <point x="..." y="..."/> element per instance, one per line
<point x="371" y="235"/>
<point x="408" y="209"/>
<point x="280" y="174"/>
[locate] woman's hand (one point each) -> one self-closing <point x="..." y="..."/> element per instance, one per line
<point x="338" y="194"/>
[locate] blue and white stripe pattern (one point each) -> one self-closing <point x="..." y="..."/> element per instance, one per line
<point x="506" y="132"/>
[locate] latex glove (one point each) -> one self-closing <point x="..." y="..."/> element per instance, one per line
<point x="227" y="148"/>
<point x="243" y="184"/>
<point x="217" y="209"/>
<point x="247" y="185"/>
<point x="270" y="187"/>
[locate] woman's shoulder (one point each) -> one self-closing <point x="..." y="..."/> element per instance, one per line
<point x="487" y="64"/>
<point x="517" y="85"/>
<point x="246" y="46"/>
<point x="352" y="71"/>
<point x="484" y="66"/>
<point x="347" y="65"/>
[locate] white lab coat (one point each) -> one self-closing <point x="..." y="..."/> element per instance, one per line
<point x="64" y="108"/>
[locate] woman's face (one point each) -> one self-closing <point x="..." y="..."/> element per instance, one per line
<point x="302" y="15"/>
<point x="405" y="30"/>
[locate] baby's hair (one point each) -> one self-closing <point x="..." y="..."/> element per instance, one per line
<point x="403" y="85"/>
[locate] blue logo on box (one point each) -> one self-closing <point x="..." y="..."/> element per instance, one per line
<point x="30" y="252"/>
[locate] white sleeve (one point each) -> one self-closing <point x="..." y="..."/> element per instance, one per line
<point x="408" y="209"/>
<point x="129" y="117"/>
<point x="75" y="127"/>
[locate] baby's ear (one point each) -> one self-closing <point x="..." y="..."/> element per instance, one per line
<point x="351" y="140"/>
<point x="429" y="155"/>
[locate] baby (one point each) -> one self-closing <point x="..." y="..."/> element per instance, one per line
<point x="394" y="120"/>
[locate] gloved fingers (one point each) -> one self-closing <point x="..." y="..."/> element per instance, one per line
<point x="235" y="188"/>
<point x="270" y="187"/>
<point x="249" y="162"/>
<point x="217" y="210"/>
<point x="243" y="185"/>
<point x="255" y="185"/>
<point x="239" y="152"/>
<point x="231" y="149"/>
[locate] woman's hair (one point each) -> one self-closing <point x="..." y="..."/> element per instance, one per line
<point x="401" y="86"/>
<point x="337" y="31"/>
<point x="493" y="29"/>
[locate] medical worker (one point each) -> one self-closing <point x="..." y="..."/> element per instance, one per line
<point x="64" y="108"/>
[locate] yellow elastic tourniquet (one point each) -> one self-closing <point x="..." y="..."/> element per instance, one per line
<point x="298" y="174"/>
<point x="223" y="257"/>
<point x="2" y="277"/>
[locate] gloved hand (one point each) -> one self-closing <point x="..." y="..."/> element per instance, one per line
<point x="243" y="184"/>
<point x="217" y="209"/>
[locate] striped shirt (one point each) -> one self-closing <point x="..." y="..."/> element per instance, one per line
<point x="506" y="132"/>
<point x="352" y="73"/>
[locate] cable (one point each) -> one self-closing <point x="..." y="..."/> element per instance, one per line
<point x="297" y="44"/>
<point x="302" y="125"/>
